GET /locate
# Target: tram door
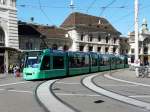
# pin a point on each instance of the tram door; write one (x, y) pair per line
(1, 63)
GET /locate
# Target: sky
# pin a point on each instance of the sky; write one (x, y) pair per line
(120, 13)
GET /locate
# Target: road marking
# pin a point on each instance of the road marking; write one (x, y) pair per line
(113, 85)
(120, 80)
(20, 91)
(140, 96)
(2, 85)
(68, 83)
(88, 83)
(49, 100)
(66, 94)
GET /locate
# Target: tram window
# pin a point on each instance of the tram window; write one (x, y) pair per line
(71, 62)
(45, 63)
(100, 62)
(78, 61)
(94, 62)
(113, 61)
(105, 62)
(126, 60)
(86, 60)
(58, 62)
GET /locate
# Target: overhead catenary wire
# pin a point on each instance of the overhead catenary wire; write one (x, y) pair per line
(90, 6)
(44, 11)
(105, 7)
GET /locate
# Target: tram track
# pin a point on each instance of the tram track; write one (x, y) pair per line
(50, 102)
(57, 99)
(91, 84)
(59, 90)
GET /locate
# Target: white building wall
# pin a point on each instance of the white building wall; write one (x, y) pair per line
(95, 43)
(13, 30)
(8, 23)
(75, 37)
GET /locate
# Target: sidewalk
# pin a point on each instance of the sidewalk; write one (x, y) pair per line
(130, 76)
(8, 75)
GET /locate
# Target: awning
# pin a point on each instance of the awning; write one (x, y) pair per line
(9, 49)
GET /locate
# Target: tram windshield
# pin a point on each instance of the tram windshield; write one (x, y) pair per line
(31, 58)
(33, 62)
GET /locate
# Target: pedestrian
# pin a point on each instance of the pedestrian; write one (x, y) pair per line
(14, 70)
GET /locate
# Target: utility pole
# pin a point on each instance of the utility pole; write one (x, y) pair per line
(136, 38)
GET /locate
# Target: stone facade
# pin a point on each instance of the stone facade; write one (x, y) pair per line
(91, 33)
(8, 33)
(37, 37)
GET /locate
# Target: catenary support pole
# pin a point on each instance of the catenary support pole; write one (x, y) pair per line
(136, 39)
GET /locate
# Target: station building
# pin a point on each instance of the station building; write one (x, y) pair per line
(144, 44)
(91, 33)
(9, 44)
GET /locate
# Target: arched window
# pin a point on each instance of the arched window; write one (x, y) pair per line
(2, 38)
(107, 39)
(82, 36)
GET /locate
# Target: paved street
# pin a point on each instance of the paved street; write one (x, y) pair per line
(17, 95)
(72, 93)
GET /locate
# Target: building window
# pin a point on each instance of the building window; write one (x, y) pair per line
(106, 49)
(90, 48)
(107, 39)
(65, 48)
(99, 49)
(81, 48)
(82, 36)
(99, 38)
(132, 50)
(90, 37)
(115, 40)
(114, 50)
(145, 50)
(2, 42)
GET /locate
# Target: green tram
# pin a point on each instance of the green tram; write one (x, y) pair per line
(54, 63)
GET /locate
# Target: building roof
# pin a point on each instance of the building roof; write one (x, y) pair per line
(41, 30)
(26, 29)
(80, 20)
(51, 31)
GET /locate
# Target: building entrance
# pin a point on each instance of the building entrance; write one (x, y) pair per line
(1, 63)
(146, 60)
(2, 60)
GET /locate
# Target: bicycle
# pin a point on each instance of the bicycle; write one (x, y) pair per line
(143, 71)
